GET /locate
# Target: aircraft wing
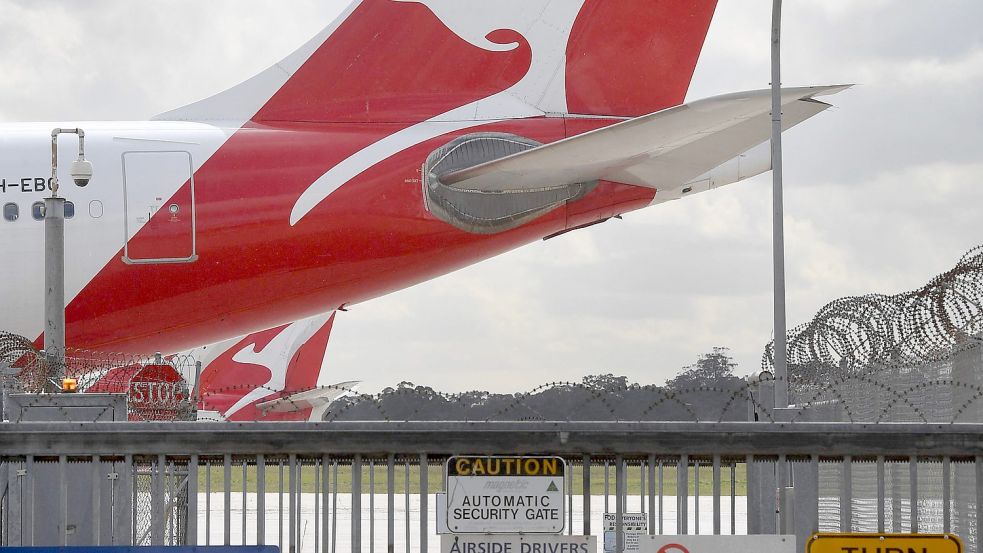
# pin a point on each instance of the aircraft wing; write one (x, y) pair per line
(664, 150)
(308, 398)
(317, 400)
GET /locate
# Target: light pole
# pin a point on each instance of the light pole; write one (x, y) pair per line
(54, 253)
(778, 224)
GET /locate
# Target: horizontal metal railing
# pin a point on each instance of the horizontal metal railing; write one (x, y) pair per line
(448, 438)
(367, 486)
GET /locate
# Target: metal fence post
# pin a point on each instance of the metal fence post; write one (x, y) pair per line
(619, 503)
(28, 504)
(371, 505)
(651, 467)
(227, 495)
(63, 499)
(357, 504)
(391, 504)
(245, 499)
(716, 495)
(978, 466)
(191, 536)
(325, 493)
(607, 486)
(12, 507)
(334, 505)
(568, 470)
(733, 498)
(881, 493)
(913, 480)
(696, 496)
(96, 476)
(260, 499)
(682, 495)
(279, 503)
(946, 495)
(754, 502)
(406, 502)
(292, 504)
(846, 496)
(123, 530)
(424, 491)
(586, 492)
(661, 496)
(157, 501)
(806, 499)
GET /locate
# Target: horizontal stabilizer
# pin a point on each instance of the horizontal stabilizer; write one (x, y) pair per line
(664, 150)
(308, 399)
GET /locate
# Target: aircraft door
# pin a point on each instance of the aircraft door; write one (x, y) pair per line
(159, 206)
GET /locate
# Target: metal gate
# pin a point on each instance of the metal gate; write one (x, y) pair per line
(325, 487)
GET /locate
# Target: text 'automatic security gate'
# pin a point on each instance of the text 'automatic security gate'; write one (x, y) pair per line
(326, 487)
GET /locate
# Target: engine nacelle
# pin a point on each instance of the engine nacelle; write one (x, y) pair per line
(480, 211)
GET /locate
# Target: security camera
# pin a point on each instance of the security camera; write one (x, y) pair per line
(81, 171)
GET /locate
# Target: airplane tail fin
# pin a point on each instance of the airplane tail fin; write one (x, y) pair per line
(412, 60)
(264, 376)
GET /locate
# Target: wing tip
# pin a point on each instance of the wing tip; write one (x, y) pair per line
(829, 90)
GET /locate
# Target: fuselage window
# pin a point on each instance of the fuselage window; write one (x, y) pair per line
(11, 212)
(37, 210)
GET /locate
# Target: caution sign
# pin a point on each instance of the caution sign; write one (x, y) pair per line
(498, 494)
(884, 543)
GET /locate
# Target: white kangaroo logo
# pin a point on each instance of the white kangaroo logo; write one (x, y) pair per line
(545, 24)
(276, 358)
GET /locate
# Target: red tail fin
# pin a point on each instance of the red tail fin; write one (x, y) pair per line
(634, 58)
(413, 60)
(241, 373)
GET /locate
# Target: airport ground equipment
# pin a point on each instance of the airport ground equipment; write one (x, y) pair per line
(300, 477)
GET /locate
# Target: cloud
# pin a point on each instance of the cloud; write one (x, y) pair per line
(131, 60)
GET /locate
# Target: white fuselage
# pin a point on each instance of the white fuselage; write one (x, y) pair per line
(98, 230)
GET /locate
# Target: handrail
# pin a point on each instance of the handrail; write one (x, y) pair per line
(449, 437)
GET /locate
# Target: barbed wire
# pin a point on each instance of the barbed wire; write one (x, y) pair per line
(873, 356)
(914, 356)
(159, 396)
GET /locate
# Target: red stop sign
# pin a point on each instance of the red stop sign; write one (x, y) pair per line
(156, 392)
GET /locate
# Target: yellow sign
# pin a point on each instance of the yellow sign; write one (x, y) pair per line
(504, 466)
(884, 543)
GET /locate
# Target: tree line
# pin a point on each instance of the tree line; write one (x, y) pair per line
(706, 390)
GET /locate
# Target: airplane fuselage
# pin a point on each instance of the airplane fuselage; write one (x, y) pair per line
(188, 233)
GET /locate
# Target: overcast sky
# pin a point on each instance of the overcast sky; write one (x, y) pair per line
(882, 192)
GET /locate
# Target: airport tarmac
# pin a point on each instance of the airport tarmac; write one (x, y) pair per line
(211, 529)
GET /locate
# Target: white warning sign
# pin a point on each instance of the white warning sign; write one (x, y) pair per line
(505, 494)
(634, 526)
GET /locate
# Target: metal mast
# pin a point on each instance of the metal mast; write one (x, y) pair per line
(778, 239)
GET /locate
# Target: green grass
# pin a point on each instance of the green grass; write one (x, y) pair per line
(436, 480)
